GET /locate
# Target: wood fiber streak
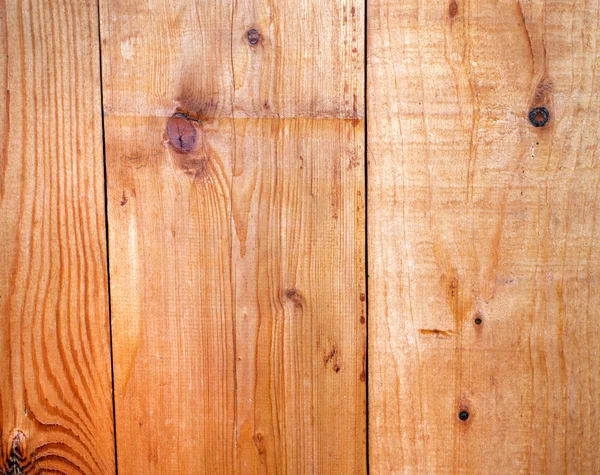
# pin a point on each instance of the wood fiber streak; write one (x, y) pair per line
(236, 227)
(55, 374)
(476, 214)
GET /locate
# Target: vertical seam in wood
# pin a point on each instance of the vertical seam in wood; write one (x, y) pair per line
(112, 366)
(231, 262)
(366, 221)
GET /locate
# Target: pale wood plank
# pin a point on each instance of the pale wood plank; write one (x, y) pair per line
(55, 384)
(237, 259)
(475, 213)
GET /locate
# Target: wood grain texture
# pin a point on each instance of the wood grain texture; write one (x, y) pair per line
(169, 234)
(475, 213)
(55, 384)
(236, 224)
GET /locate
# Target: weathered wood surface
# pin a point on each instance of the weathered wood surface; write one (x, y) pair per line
(473, 213)
(236, 221)
(55, 377)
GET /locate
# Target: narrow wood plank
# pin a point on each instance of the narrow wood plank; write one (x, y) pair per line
(235, 179)
(55, 389)
(169, 233)
(474, 213)
(299, 275)
(298, 211)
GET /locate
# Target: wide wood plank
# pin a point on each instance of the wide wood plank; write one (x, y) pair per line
(236, 222)
(484, 260)
(55, 384)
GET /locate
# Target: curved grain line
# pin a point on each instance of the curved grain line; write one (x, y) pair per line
(44, 339)
(66, 85)
(43, 401)
(98, 282)
(69, 432)
(64, 288)
(32, 236)
(35, 294)
(76, 212)
(46, 450)
(57, 458)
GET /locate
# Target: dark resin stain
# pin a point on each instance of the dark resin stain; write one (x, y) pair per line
(332, 356)
(293, 295)
(437, 332)
(259, 443)
(327, 357)
(182, 133)
(290, 293)
(363, 374)
(452, 8)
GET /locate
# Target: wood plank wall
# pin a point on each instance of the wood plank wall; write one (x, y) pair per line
(260, 158)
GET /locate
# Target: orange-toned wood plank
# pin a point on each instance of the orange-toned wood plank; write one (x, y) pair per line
(236, 221)
(298, 216)
(55, 384)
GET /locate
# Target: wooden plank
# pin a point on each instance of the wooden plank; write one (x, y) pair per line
(299, 265)
(474, 213)
(169, 234)
(55, 389)
(235, 181)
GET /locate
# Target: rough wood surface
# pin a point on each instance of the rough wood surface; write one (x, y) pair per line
(234, 136)
(476, 214)
(55, 376)
(236, 221)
